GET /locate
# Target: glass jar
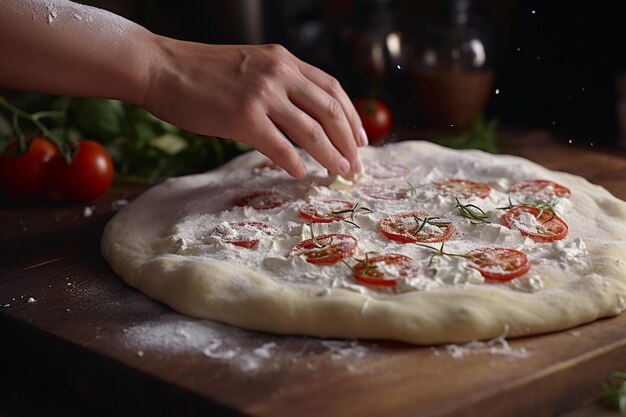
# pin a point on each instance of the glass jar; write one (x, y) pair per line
(372, 50)
(452, 66)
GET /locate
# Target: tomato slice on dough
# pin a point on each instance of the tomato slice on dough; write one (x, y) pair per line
(409, 227)
(499, 264)
(539, 225)
(386, 170)
(325, 249)
(324, 211)
(541, 189)
(262, 200)
(462, 188)
(386, 270)
(386, 191)
(244, 234)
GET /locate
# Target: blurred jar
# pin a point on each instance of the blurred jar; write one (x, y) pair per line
(372, 50)
(452, 66)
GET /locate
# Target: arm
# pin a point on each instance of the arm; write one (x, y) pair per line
(260, 95)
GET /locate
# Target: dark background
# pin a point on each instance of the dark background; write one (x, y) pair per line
(555, 68)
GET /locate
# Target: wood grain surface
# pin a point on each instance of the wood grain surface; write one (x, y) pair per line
(88, 338)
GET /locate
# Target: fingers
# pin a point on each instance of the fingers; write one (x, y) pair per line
(330, 115)
(271, 142)
(332, 87)
(309, 133)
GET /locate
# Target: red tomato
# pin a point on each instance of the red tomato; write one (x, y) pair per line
(403, 227)
(543, 189)
(89, 174)
(262, 200)
(539, 225)
(386, 170)
(28, 175)
(322, 211)
(462, 188)
(400, 267)
(499, 264)
(245, 234)
(325, 249)
(386, 191)
(376, 117)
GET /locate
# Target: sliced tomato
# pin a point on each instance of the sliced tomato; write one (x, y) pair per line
(541, 189)
(386, 270)
(462, 188)
(499, 264)
(325, 249)
(539, 225)
(324, 211)
(262, 200)
(244, 234)
(403, 227)
(386, 191)
(386, 170)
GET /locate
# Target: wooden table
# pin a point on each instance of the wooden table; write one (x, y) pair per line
(87, 343)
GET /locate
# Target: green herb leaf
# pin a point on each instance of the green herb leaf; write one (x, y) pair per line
(615, 391)
(482, 135)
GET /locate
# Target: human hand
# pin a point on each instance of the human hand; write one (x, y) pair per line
(261, 95)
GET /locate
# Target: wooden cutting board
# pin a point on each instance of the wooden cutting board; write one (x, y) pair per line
(87, 336)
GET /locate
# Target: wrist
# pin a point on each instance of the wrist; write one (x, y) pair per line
(145, 57)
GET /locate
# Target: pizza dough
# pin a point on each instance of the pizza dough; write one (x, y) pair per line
(165, 244)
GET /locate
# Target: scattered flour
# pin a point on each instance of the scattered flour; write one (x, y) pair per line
(118, 204)
(88, 211)
(496, 346)
(241, 350)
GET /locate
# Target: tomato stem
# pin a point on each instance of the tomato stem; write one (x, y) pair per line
(34, 118)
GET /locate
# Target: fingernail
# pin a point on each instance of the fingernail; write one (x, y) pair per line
(363, 137)
(344, 166)
(358, 167)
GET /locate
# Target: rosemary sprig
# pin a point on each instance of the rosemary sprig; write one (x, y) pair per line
(412, 190)
(440, 252)
(475, 214)
(314, 238)
(356, 208)
(615, 391)
(432, 220)
(367, 266)
(543, 206)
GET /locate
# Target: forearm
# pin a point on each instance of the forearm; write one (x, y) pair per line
(60, 47)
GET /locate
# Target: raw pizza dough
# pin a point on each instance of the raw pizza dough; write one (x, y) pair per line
(162, 244)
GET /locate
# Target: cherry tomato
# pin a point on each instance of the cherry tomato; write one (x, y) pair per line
(541, 189)
(245, 234)
(386, 191)
(325, 249)
(395, 267)
(88, 175)
(28, 175)
(499, 264)
(376, 117)
(539, 225)
(462, 188)
(386, 170)
(403, 227)
(262, 200)
(325, 211)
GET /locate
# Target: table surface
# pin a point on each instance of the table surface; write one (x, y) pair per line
(86, 338)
